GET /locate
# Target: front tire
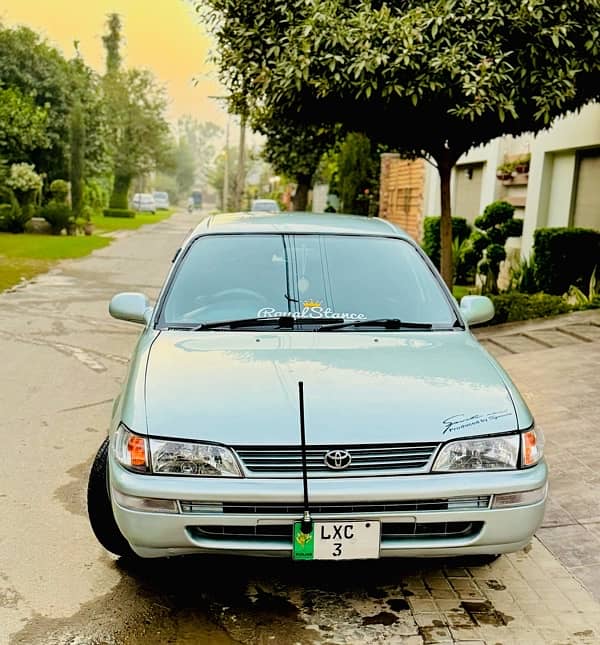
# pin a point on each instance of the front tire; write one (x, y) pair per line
(99, 507)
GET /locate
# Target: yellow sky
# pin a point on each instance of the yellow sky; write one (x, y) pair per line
(162, 35)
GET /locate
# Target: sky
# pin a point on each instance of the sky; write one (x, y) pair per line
(164, 36)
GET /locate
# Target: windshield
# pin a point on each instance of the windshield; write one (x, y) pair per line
(230, 277)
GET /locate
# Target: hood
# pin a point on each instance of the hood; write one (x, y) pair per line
(241, 388)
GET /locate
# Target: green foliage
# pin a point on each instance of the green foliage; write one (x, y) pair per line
(59, 189)
(112, 43)
(58, 214)
(22, 125)
(565, 257)
(428, 77)
(120, 191)
(431, 235)
(522, 276)
(77, 158)
(358, 168)
(495, 226)
(13, 217)
(581, 300)
(521, 306)
(96, 194)
(118, 212)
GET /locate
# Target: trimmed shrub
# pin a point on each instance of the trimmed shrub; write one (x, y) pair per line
(59, 189)
(522, 306)
(565, 257)
(431, 235)
(118, 212)
(58, 215)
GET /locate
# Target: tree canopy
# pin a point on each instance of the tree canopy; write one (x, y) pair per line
(427, 77)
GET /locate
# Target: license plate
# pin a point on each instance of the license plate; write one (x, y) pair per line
(337, 541)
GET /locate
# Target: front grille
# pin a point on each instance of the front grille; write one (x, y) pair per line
(287, 460)
(449, 504)
(389, 531)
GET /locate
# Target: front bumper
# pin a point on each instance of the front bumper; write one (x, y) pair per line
(493, 530)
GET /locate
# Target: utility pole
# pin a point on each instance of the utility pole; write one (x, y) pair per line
(239, 192)
(224, 206)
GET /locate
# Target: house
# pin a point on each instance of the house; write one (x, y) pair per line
(560, 188)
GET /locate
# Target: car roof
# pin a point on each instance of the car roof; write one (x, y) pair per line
(261, 222)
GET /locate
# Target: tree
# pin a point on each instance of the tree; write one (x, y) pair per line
(23, 126)
(295, 152)
(358, 169)
(430, 78)
(139, 131)
(33, 68)
(199, 137)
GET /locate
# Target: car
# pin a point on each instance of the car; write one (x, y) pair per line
(161, 200)
(144, 203)
(264, 205)
(307, 387)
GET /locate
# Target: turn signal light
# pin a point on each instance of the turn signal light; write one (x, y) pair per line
(136, 447)
(532, 447)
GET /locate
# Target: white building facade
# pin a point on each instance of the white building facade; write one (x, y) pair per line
(562, 187)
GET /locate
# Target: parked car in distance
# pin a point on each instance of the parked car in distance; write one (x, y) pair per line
(264, 205)
(307, 387)
(144, 203)
(161, 199)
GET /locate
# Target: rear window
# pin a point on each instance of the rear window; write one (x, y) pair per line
(224, 277)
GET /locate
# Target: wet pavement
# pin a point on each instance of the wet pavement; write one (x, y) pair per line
(63, 359)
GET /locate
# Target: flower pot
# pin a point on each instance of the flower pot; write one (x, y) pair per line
(522, 168)
(88, 228)
(504, 176)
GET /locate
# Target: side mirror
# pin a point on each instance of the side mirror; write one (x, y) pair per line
(133, 307)
(476, 309)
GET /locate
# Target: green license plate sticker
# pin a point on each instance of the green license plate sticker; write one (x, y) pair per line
(304, 543)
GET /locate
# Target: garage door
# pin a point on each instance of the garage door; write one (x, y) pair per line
(586, 212)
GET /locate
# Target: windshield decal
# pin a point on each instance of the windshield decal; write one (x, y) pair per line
(461, 421)
(311, 309)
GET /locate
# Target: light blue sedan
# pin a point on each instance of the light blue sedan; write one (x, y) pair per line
(306, 387)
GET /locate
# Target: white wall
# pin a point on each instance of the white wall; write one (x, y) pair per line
(551, 172)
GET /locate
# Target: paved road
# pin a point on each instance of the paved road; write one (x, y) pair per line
(62, 361)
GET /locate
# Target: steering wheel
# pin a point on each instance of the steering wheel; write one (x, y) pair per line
(237, 292)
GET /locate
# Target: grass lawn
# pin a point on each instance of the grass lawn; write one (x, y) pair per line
(102, 223)
(26, 255)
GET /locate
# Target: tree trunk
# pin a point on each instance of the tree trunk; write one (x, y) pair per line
(446, 269)
(301, 194)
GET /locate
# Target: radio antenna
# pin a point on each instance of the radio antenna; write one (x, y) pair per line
(306, 519)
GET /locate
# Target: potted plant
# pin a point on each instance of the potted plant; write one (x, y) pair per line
(522, 163)
(505, 171)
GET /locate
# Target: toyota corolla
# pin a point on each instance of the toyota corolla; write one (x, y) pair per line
(306, 386)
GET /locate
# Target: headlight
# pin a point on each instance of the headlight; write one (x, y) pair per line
(194, 459)
(488, 453)
(165, 457)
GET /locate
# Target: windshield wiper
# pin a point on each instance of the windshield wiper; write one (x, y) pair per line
(385, 323)
(279, 322)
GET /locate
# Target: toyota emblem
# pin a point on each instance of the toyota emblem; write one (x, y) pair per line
(337, 459)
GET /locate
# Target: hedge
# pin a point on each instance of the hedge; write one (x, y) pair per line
(431, 235)
(565, 257)
(118, 212)
(523, 306)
